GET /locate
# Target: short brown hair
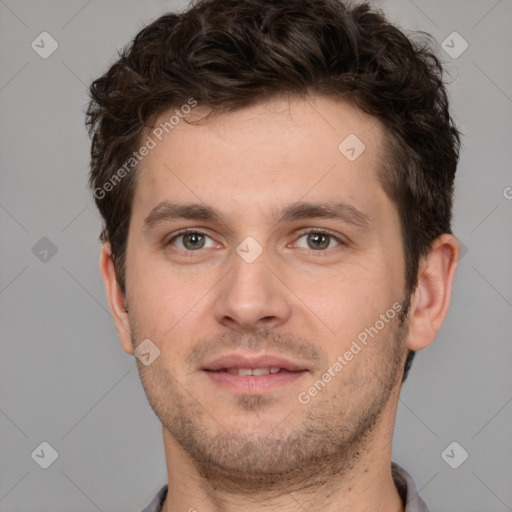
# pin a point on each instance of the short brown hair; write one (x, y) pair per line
(229, 54)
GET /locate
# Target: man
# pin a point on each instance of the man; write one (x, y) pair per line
(276, 182)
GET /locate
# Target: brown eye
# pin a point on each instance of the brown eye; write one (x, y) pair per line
(191, 241)
(319, 241)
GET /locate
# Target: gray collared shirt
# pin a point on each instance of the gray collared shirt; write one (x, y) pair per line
(403, 482)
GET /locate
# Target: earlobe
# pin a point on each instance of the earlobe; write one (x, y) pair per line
(116, 298)
(431, 299)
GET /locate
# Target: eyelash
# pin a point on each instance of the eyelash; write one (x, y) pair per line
(323, 252)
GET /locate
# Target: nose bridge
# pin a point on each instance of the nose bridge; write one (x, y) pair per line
(251, 296)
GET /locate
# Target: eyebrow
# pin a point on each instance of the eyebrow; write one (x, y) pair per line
(168, 211)
(326, 210)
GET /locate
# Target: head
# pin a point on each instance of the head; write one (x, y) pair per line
(244, 108)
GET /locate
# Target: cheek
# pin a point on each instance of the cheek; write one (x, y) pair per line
(352, 292)
(162, 295)
(152, 307)
(172, 309)
(346, 306)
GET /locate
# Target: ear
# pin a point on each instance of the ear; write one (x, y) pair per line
(431, 299)
(116, 298)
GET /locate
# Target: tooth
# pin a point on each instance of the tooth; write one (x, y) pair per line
(248, 371)
(260, 371)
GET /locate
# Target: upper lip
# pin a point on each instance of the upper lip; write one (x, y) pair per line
(262, 361)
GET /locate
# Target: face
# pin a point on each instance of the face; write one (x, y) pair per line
(257, 245)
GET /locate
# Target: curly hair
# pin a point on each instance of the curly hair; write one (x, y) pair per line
(230, 54)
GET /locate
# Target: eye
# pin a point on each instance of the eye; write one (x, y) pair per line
(191, 241)
(319, 241)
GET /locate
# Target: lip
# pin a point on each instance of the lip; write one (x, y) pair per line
(252, 384)
(262, 361)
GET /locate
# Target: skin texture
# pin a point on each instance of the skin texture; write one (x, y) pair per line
(265, 450)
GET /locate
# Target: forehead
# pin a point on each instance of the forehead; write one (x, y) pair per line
(278, 151)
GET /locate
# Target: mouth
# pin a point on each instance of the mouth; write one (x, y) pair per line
(254, 371)
(253, 375)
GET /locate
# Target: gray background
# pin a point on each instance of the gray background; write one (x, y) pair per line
(63, 376)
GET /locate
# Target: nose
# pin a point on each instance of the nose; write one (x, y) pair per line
(251, 297)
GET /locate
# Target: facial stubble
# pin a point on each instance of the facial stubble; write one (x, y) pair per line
(307, 445)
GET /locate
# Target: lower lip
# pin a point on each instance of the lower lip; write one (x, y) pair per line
(254, 384)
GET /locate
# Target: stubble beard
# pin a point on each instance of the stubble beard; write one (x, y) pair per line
(328, 437)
